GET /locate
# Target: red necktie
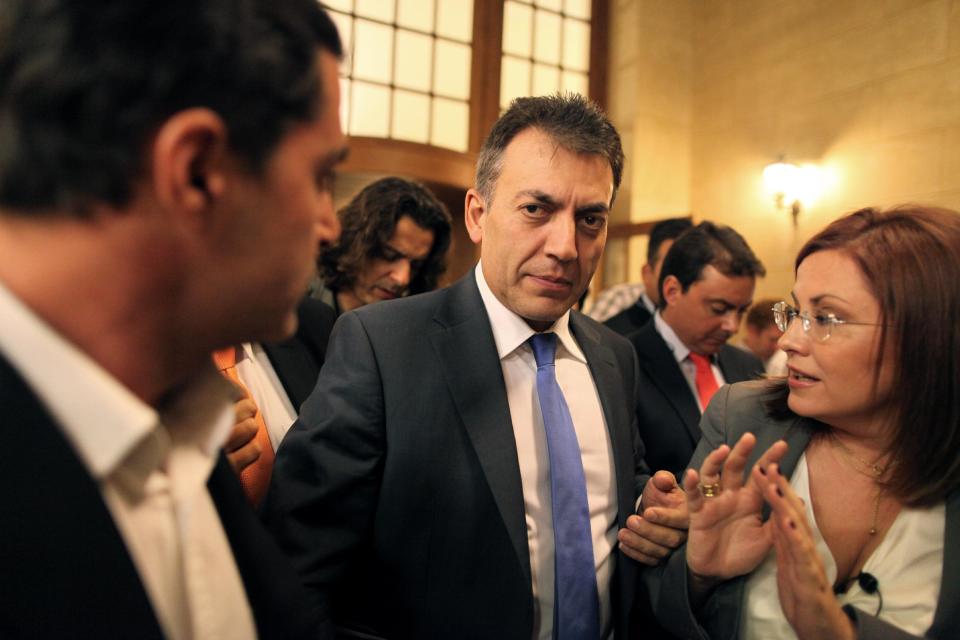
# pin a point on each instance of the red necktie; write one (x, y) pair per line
(706, 382)
(255, 478)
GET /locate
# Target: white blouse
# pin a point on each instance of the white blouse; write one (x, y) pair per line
(908, 566)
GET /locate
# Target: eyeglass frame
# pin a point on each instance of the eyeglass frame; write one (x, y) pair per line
(783, 319)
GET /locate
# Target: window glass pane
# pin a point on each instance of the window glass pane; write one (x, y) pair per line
(577, 8)
(553, 5)
(449, 124)
(452, 72)
(576, 45)
(411, 116)
(369, 110)
(517, 29)
(546, 43)
(455, 19)
(343, 5)
(414, 56)
(576, 82)
(373, 51)
(376, 9)
(416, 14)
(344, 26)
(514, 79)
(546, 79)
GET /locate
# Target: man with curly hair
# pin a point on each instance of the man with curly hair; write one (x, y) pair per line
(394, 243)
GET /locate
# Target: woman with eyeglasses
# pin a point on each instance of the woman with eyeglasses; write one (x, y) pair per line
(827, 504)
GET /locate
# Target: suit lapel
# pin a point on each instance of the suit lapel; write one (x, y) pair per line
(947, 617)
(64, 563)
(295, 368)
(661, 367)
(466, 350)
(610, 388)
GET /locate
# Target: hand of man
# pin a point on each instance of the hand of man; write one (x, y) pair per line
(662, 527)
(242, 448)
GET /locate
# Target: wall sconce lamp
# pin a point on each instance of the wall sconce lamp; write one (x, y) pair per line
(792, 187)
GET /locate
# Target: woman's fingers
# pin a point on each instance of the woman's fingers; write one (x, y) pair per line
(736, 462)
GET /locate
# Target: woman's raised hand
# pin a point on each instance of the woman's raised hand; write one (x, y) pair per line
(727, 535)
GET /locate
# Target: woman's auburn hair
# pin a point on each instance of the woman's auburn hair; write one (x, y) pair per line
(909, 256)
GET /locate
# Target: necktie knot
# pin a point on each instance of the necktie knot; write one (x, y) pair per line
(705, 380)
(544, 347)
(702, 362)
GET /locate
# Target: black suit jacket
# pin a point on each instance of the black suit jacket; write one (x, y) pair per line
(298, 359)
(667, 410)
(65, 570)
(398, 493)
(631, 319)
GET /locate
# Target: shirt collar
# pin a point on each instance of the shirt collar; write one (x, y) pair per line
(102, 419)
(647, 302)
(510, 331)
(680, 350)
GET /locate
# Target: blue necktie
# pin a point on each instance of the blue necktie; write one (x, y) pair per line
(576, 613)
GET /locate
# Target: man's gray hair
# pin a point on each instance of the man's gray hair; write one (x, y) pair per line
(572, 121)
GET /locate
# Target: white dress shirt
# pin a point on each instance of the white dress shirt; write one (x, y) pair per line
(260, 378)
(908, 565)
(682, 354)
(152, 470)
(511, 332)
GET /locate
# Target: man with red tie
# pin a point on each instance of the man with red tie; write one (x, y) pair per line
(706, 285)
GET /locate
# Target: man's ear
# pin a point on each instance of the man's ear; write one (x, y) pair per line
(474, 214)
(188, 157)
(672, 289)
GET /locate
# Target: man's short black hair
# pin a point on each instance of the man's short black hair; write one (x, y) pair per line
(368, 222)
(84, 84)
(669, 229)
(710, 244)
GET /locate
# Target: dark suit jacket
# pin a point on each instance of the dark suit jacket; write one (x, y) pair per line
(65, 570)
(297, 360)
(667, 410)
(398, 493)
(631, 319)
(734, 411)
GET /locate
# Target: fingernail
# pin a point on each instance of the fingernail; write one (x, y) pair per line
(779, 493)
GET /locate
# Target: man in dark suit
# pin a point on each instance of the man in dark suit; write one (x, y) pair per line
(639, 313)
(706, 285)
(415, 490)
(159, 199)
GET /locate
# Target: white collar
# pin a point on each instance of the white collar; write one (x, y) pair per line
(680, 350)
(103, 419)
(510, 331)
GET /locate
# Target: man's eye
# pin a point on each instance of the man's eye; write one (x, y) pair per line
(532, 209)
(326, 180)
(593, 222)
(718, 311)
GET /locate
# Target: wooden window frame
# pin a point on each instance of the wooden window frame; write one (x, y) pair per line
(435, 164)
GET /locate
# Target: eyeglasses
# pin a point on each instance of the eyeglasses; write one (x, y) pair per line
(819, 327)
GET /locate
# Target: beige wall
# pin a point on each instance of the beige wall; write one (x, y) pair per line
(868, 89)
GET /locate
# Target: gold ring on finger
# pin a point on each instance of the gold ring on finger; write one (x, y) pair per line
(709, 489)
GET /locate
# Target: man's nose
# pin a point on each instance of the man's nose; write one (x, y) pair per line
(401, 272)
(326, 226)
(731, 321)
(561, 242)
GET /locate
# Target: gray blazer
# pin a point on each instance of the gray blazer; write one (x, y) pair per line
(735, 410)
